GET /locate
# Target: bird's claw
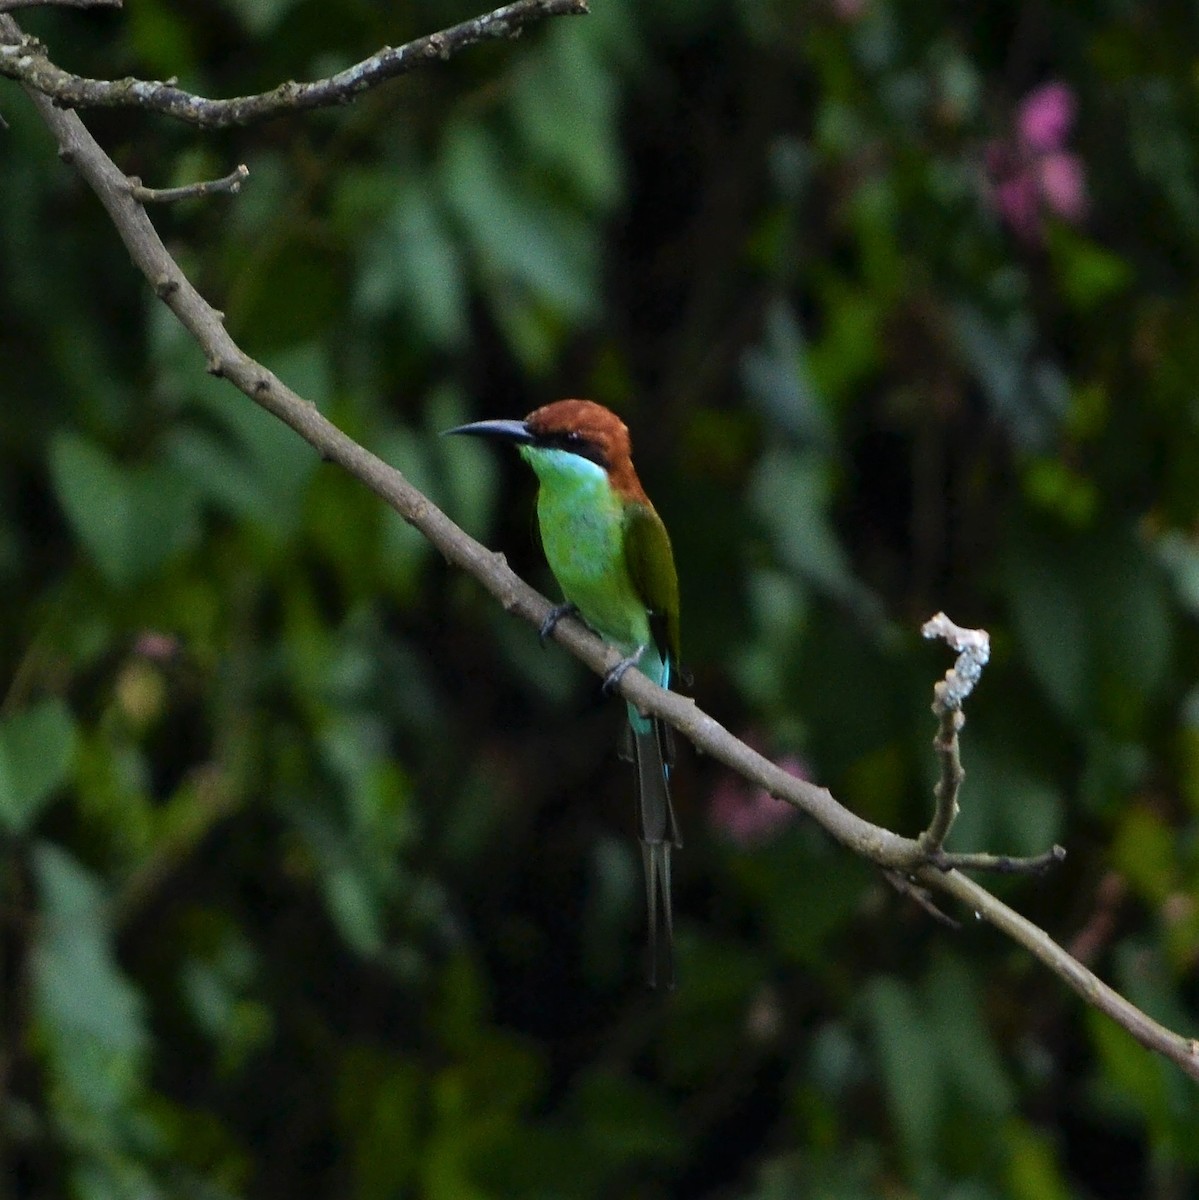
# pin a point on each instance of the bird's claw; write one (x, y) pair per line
(553, 617)
(614, 676)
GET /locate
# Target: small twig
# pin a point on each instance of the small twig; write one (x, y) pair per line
(14, 5)
(231, 184)
(974, 648)
(945, 790)
(24, 59)
(999, 864)
(922, 897)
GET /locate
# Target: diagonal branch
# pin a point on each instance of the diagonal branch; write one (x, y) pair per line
(24, 59)
(1153, 1036)
(14, 5)
(903, 856)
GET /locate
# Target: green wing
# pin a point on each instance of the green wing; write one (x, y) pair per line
(650, 563)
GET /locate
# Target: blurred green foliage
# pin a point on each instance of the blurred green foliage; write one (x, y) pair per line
(316, 872)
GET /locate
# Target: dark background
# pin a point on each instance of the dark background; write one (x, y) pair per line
(318, 874)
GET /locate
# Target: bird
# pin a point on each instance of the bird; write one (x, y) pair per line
(611, 556)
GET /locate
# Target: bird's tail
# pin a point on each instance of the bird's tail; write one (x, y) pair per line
(659, 835)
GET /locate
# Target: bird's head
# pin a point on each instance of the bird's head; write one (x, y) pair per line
(580, 428)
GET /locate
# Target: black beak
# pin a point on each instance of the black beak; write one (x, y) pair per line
(503, 431)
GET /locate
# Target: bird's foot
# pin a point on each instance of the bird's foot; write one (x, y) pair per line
(617, 673)
(553, 617)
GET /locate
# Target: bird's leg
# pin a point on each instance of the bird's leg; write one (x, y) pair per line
(569, 609)
(617, 673)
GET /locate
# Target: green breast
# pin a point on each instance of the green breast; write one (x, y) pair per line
(582, 532)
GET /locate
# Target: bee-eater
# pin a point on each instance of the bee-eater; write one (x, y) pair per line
(611, 556)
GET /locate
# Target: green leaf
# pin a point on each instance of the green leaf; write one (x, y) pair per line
(37, 747)
(518, 237)
(722, 978)
(1133, 1076)
(1092, 614)
(263, 16)
(846, 355)
(402, 549)
(1089, 273)
(1005, 804)
(290, 293)
(414, 261)
(1144, 852)
(224, 478)
(969, 1054)
(464, 475)
(161, 39)
(1179, 554)
(89, 1015)
(381, 1105)
(626, 1119)
(911, 1070)
(797, 875)
(354, 907)
(565, 104)
(1033, 1170)
(132, 520)
(778, 378)
(1030, 399)
(1060, 489)
(252, 465)
(791, 493)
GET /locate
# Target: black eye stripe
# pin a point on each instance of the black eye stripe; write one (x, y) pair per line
(574, 442)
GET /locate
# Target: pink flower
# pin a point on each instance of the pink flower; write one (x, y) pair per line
(1046, 117)
(1064, 185)
(1032, 173)
(750, 816)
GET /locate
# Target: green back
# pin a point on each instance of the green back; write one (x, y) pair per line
(650, 563)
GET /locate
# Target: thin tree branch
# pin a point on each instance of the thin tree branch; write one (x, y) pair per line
(24, 59)
(230, 183)
(1152, 1035)
(996, 864)
(13, 5)
(974, 649)
(921, 897)
(949, 694)
(974, 652)
(225, 358)
(945, 792)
